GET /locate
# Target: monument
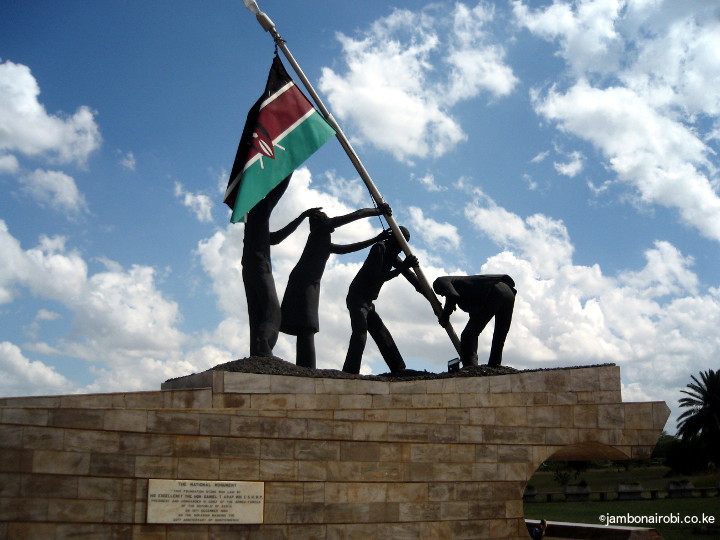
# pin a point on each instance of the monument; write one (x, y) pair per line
(265, 449)
(321, 456)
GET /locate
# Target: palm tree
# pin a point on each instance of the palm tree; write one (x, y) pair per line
(702, 418)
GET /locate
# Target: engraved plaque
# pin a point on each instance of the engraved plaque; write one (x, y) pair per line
(205, 501)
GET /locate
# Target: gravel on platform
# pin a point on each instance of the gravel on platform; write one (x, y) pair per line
(278, 366)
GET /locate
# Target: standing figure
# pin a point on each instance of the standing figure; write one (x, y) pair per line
(262, 299)
(364, 288)
(483, 297)
(300, 305)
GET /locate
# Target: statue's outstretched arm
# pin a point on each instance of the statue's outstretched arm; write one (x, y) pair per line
(280, 235)
(382, 210)
(342, 249)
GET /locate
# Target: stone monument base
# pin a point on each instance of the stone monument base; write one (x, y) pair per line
(338, 459)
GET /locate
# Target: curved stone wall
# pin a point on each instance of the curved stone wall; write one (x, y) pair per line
(444, 458)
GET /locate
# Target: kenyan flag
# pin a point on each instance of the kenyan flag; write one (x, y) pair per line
(282, 130)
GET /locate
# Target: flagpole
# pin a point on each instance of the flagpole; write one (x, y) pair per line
(269, 26)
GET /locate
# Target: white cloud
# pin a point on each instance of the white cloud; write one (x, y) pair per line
(46, 315)
(542, 240)
(676, 63)
(8, 163)
(641, 87)
(34, 327)
(652, 320)
(201, 205)
(54, 189)
(476, 64)
(667, 272)
(661, 158)
(428, 180)
(634, 393)
(119, 315)
(128, 161)
(402, 76)
(20, 376)
(572, 167)
(435, 234)
(352, 191)
(586, 30)
(26, 127)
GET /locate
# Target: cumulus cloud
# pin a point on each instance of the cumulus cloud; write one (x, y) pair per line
(20, 376)
(542, 240)
(408, 69)
(428, 181)
(8, 163)
(42, 315)
(572, 167)
(26, 127)
(435, 234)
(54, 189)
(639, 75)
(655, 319)
(352, 191)
(201, 205)
(119, 316)
(676, 62)
(661, 158)
(586, 30)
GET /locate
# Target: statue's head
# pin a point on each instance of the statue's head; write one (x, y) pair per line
(440, 286)
(392, 241)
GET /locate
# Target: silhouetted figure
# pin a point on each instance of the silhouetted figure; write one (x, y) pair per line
(300, 305)
(262, 299)
(537, 532)
(382, 264)
(483, 297)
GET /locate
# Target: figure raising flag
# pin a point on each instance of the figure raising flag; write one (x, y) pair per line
(330, 128)
(282, 130)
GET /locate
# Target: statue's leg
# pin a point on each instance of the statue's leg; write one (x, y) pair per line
(469, 338)
(359, 325)
(305, 349)
(503, 318)
(263, 312)
(385, 342)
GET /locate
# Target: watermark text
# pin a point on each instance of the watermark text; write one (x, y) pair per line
(655, 519)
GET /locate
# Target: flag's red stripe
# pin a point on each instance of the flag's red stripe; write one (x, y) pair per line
(281, 113)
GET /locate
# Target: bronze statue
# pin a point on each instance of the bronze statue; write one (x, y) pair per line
(483, 297)
(382, 264)
(300, 304)
(262, 299)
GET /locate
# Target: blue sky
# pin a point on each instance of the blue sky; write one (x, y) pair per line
(572, 145)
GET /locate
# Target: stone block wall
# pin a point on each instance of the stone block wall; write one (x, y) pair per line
(433, 459)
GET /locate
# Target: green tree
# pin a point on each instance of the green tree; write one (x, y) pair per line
(701, 420)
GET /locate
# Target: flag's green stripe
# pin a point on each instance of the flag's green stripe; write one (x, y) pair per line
(299, 145)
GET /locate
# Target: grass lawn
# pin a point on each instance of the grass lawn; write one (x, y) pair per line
(608, 479)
